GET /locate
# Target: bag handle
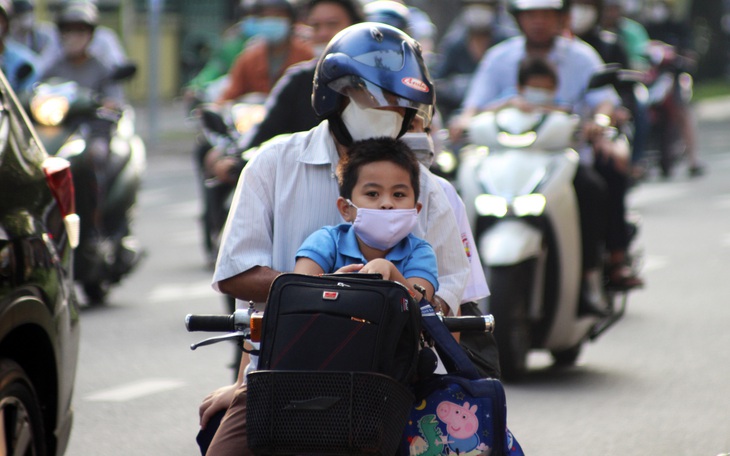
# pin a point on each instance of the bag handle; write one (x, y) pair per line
(455, 359)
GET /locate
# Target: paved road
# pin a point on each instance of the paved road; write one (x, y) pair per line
(655, 384)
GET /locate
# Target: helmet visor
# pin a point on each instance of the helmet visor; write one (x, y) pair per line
(368, 95)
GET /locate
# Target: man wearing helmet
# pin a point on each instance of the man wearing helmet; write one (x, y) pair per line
(371, 81)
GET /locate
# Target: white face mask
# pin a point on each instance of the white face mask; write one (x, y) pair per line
(583, 18)
(371, 123)
(382, 229)
(318, 49)
(422, 146)
(538, 96)
(75, 43)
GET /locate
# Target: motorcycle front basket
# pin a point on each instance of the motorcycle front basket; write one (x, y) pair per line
(314, 412)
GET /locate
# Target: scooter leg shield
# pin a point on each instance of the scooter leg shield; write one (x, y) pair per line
(510, 242)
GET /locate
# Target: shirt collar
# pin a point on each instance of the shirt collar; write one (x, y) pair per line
(321, 149)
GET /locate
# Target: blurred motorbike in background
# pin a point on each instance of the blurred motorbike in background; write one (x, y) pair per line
(670, 89)
(65, 115)
(516, 181)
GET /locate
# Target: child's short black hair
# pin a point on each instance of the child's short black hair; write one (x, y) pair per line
(374, 150)
(535, 66)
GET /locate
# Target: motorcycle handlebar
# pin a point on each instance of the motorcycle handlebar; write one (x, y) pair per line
(229, 323)
(480, 323)
(210, 323)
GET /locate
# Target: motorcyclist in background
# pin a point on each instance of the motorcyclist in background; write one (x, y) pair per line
(459, 56)
(542, 23)
(289, 106)
(17, 62)
(662, 24)
(41, 37)
(632, 34)
(585, 18)
(263, 61)
(76, 23)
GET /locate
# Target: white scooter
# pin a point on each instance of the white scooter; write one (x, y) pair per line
(517, 183)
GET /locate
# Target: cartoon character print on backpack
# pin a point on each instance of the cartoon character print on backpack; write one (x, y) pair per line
(454, 428)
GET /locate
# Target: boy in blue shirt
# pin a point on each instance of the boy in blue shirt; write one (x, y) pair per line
(379, 187)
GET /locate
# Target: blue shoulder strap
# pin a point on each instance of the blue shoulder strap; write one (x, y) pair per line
(454, 357)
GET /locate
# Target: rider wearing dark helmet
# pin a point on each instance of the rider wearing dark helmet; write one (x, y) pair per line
(370, 82)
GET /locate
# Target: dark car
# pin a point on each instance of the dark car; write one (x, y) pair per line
(39, 313)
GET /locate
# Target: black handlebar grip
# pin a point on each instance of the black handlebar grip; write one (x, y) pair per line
(481, 323)
(209, 323)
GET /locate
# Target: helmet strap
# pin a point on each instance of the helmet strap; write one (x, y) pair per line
(339, 129)
(407, 119)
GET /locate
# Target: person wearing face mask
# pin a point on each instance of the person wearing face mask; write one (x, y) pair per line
(17, 62)
(264, 60)
(77, 22)
(543, 23)
(379, 186)
(41, 37)
(369, 72)
(289, 105)
(460, 53)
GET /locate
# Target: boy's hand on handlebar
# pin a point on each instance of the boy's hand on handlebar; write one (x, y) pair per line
(216, 401)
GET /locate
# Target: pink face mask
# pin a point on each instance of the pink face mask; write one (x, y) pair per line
(382, 229)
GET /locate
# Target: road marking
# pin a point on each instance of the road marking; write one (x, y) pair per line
(134, 390)
(182, 291)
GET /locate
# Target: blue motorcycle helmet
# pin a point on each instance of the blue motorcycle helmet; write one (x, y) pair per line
(377, 66)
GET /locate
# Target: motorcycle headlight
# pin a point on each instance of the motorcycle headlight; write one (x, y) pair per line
(529, 205)
(532, 205)
(491, 205)
(247, 115)
(447, 161)
(49, 111)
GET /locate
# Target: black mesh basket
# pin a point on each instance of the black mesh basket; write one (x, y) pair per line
(303, 412)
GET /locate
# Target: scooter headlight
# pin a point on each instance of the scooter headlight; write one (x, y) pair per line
(49, 111)
(532, 205)
(491, 205)
(529, 205)
(246, 116)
